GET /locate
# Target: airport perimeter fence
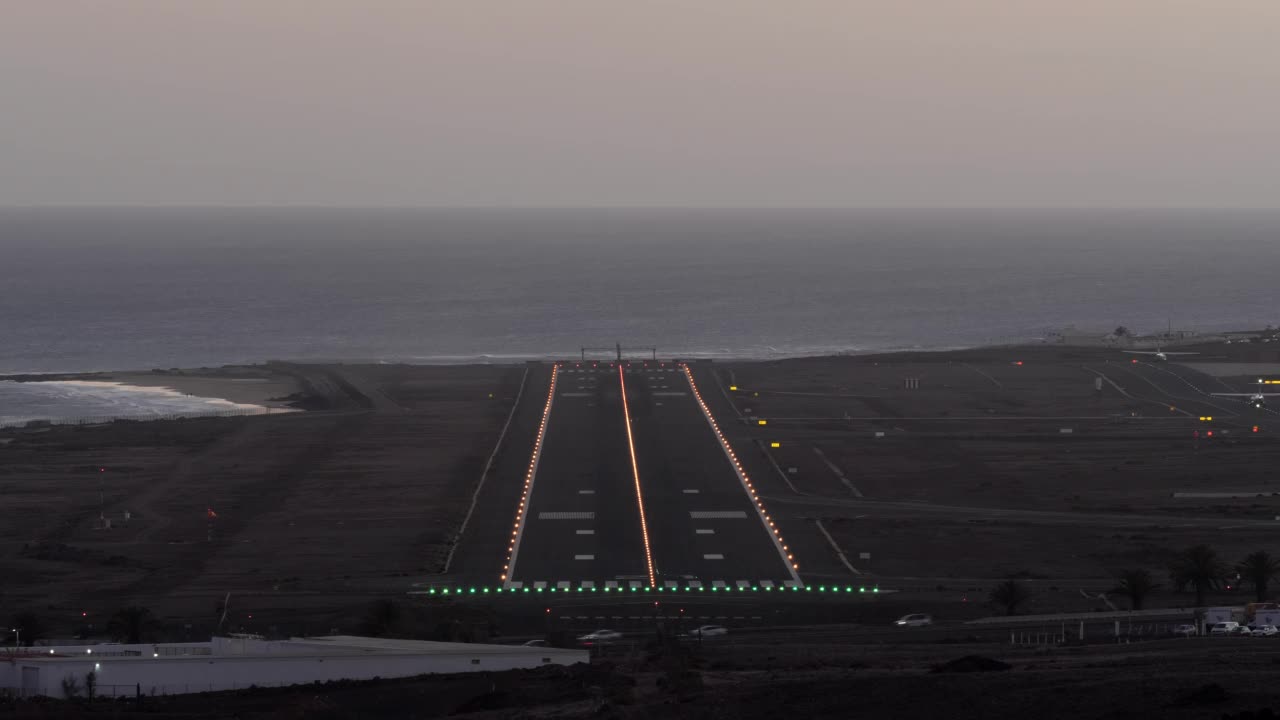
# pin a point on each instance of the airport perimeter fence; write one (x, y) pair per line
(1120, 632)
(107, 419)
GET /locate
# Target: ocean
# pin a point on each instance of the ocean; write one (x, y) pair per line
(106, 289)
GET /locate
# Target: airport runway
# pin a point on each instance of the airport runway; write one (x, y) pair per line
(658, 501)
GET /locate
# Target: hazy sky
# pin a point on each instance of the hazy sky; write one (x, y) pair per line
(642, 102)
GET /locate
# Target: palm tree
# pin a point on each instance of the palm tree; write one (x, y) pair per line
(1009, 596)
(1198, 567)
(129, 624)
(1258, 568)
(1136, 585)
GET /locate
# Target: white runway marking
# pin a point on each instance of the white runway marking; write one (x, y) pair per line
(586, 532)
(690, 491)
(669, 394)
(566, 516)
(838, 472)
(718, 514)
(713, 556)
(586, 492)
(584, 557)
(704, 531)
(575, 394)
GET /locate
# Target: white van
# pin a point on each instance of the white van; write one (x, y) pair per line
(1225, 628)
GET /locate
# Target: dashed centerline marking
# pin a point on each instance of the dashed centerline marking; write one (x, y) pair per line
(704, 531)
(718, 514)
(713, 556)
(586, 532)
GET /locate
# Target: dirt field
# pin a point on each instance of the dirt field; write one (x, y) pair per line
(316, 511)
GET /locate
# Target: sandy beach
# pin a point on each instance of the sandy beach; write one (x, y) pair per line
(241, 385)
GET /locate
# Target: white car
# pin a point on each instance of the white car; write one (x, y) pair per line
(916, 620)
(1264, 631)
(1186, 630)
(707, 631)
(600, 637)
(1226, 628)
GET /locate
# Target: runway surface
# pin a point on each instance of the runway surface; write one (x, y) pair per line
(656, 501)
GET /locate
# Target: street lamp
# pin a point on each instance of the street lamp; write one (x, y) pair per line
(17, 633)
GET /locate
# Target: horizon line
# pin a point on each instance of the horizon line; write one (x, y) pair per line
(734, 207)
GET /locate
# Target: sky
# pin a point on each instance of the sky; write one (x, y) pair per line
(608, 103)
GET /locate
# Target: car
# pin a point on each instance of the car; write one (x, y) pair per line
(1226, 628)
(1186, 630)
(915, 620)
(1263, 630)
(707, 631)
(600, 637)
(535, 643)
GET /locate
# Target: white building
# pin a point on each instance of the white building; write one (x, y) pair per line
(241, 662)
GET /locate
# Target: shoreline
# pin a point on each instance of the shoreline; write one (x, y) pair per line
(266, 386)
(82, 397)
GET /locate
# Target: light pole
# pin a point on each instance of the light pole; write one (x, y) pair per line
(17, 633)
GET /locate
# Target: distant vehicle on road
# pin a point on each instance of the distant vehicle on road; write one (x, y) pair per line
(915, 620)
(707, 631)
(1263, 631)
(600, 637)
(1186, 630)
(1227, 628)
(535, 643)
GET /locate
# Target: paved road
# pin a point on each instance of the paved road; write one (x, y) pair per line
(583, 527)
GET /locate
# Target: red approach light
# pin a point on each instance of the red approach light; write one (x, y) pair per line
(1255, 428)
(548, 611)
(1018, 363)
(1209, 434)
(1134, 361)
(84, 614)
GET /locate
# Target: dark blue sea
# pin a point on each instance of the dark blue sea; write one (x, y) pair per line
(101, 289)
